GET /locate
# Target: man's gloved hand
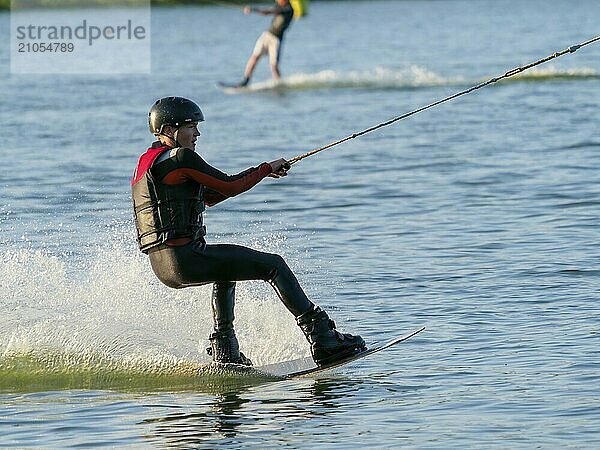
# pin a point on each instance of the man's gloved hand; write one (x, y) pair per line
(279, 168)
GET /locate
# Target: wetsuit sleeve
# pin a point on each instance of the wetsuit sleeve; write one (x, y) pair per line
(186, 165)
(266, 11)
(211, 197)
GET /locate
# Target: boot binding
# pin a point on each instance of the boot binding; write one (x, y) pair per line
(327, 344)
(224, 349)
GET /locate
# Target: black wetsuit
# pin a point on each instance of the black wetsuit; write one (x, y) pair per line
(188, 260)
(281, 21)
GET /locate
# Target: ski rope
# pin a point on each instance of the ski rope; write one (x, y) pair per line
(508, 74)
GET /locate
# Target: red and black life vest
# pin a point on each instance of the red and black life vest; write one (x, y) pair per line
(161, 211)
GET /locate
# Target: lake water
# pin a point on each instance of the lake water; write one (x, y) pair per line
(477, 219)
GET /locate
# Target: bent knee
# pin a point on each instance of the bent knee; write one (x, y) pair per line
(277, 265)
(277, 260)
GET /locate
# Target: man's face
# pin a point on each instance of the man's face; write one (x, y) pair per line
(187, 135)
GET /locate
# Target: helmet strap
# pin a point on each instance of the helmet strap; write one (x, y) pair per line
(173, 138)
(177, 144)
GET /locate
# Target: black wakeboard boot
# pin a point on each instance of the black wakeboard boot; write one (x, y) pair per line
(327, 345)
(241, 84)
(224, 348)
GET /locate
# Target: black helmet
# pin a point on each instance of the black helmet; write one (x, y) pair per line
(173, 111)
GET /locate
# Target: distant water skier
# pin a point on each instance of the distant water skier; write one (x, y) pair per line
(171, 186)
(269, 41)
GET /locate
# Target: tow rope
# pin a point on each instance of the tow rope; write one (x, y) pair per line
(510, 73)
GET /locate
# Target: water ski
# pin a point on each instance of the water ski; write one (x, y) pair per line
(306, 366)
(264, 86)
(233, 88)
(225, 85)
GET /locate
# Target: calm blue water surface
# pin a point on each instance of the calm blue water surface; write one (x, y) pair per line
(478, 219)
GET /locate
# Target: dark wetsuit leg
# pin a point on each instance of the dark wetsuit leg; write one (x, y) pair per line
(223, 302)
(196, 264)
